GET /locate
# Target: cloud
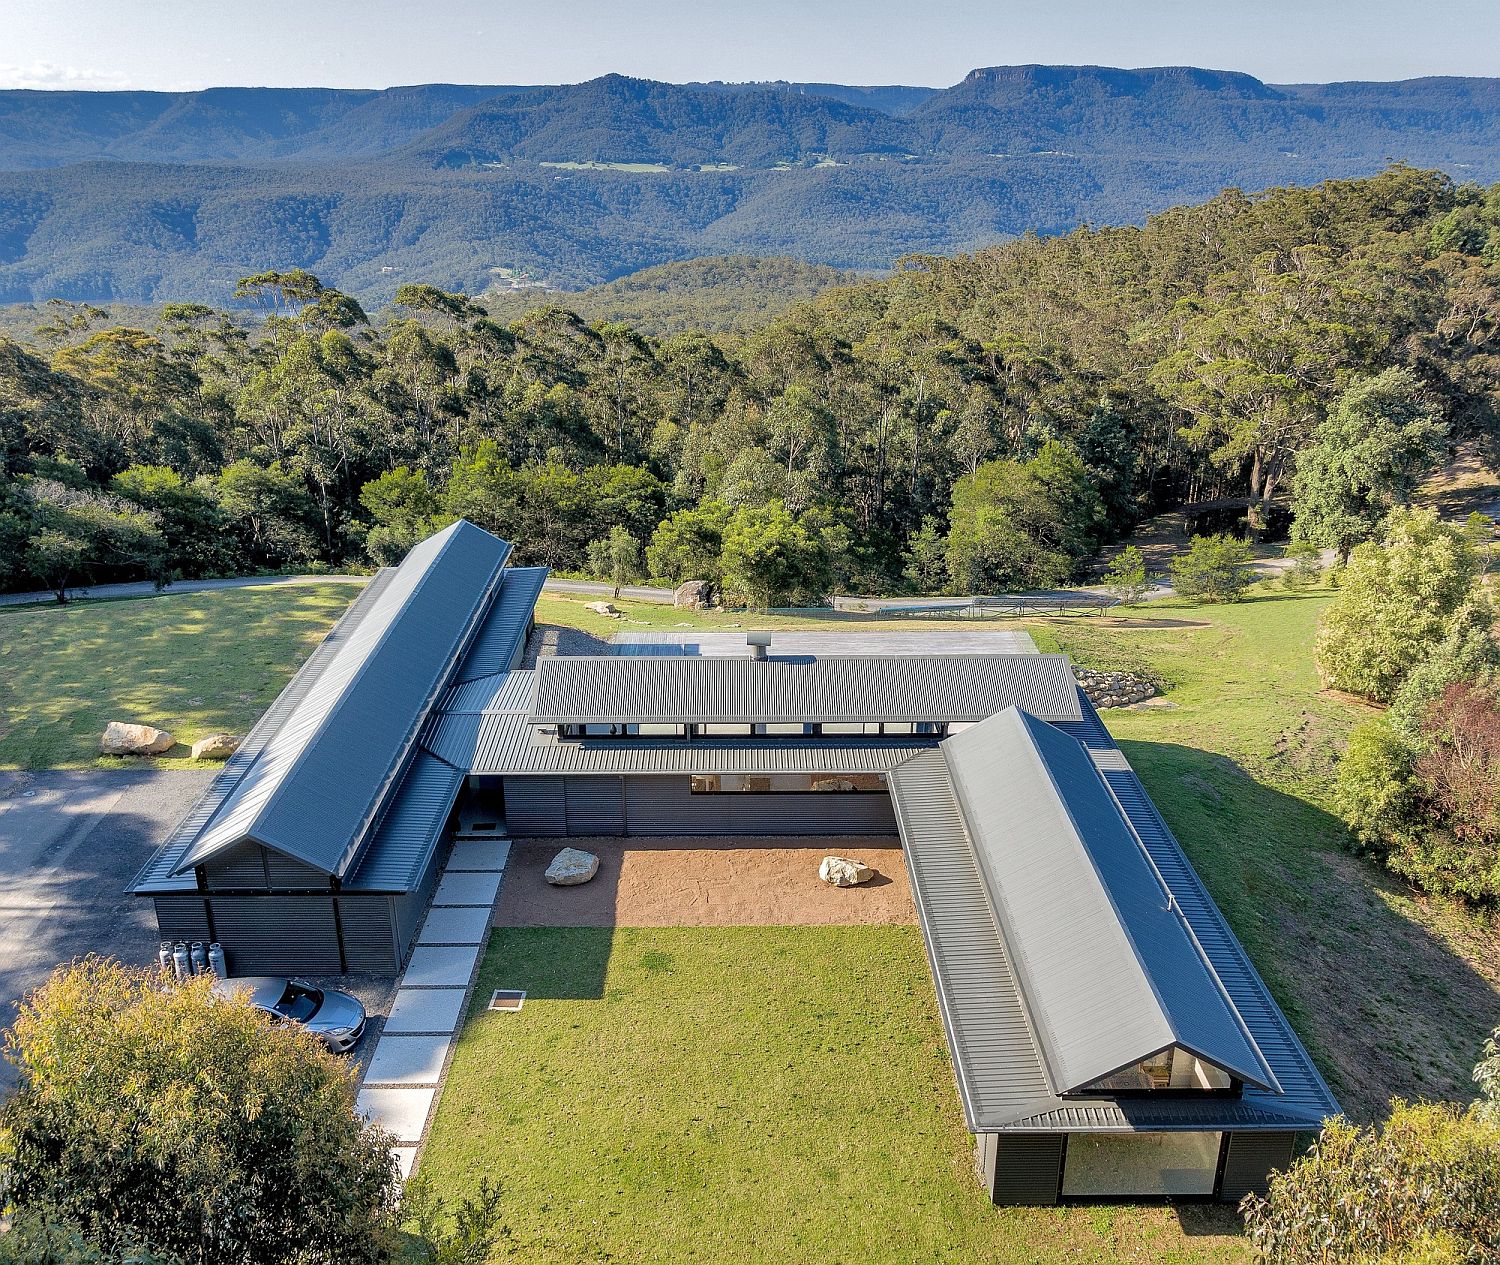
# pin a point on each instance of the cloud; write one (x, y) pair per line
(46, 74)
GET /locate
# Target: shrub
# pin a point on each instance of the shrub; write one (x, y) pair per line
(1424, 1186)
(1214, 568)
(1126, 576)
(1394, 604)
(1307, 565)
(153, 1113)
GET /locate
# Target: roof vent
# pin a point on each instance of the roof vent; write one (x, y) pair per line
(759, 643)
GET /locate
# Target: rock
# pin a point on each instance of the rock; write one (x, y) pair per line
(844, 872)
(121, 738)
(603, 608)
(572, 866)
(832, 784)
(217, 746)
(695, 595)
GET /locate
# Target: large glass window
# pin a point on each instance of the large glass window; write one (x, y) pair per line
(1134, 1164)
(1173, 1070)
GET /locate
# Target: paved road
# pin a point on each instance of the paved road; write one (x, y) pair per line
(70, 841)
(144, 588)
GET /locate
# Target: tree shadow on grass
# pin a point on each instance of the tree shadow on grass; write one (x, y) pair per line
(1387, 1006)
(551, 963)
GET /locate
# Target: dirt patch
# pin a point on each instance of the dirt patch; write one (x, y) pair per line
(703, 882)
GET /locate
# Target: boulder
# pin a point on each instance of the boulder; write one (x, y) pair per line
(844, 872)
(121, 738)
(695, 595)
(602, 608)
(217, 746)
(572, 866)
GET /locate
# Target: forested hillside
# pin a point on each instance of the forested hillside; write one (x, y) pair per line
(974, 423)
(713, 294)
(155, 197)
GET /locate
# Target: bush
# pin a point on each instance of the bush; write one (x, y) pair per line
(1214, 568)
(1307, 565)
(153, 1113)
(1394, 604)
(1424, 1186)
(1126, 576)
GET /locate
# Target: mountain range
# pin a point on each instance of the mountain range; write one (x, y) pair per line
(143, 196)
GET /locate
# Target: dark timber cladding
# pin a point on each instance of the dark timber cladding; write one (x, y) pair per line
(814, 689)
(317, 846)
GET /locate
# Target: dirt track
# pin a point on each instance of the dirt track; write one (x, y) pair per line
(703, 882)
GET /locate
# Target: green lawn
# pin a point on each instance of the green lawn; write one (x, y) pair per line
(748, 1094)
(1393, 993)
(192, 663)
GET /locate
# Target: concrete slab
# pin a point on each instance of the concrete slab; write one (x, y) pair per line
(425, 1010)
(440, 967)
(479, 854)
(456, 924)
(405, 1157)
(400, 1112)
(408, 1060)
(463, 888)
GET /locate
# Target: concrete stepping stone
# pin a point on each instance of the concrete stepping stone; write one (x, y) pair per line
(407, 1060)
(459, 887)
(479, 854)
(405, 1157)
(425, 1010)
(401, 1112)
(440, 967)
(456, 924)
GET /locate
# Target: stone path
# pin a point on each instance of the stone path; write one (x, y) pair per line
(405, 1072)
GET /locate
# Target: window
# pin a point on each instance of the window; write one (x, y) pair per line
(1135, 1164)
(1174, 1070)
(787, 783)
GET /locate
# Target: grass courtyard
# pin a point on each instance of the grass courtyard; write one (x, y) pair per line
(747, 1094)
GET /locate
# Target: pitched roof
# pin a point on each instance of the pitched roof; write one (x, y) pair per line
(1108, 965)
(315, 788)
(996, 1029)
(816, 689)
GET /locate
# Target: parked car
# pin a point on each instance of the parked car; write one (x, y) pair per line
(335, 1017)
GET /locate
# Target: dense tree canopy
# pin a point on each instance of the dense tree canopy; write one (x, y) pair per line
(981, 421)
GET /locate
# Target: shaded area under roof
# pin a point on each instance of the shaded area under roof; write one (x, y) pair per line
(1108, 966)
(830, 689)
(998, 1063)
(315, 787)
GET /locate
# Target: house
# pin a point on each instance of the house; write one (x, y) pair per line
(1109, 1036)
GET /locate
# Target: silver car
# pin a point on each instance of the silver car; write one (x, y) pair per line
(336, 1018)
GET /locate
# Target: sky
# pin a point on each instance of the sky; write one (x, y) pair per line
(186, 44)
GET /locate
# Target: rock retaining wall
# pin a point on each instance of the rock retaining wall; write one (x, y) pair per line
(1115, 689)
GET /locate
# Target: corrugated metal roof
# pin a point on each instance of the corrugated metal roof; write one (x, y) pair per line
(485, 727)
(160, 873)
(831, 641)
(998, 1063)
(502, 636)
(1109, 967)
(398, 852)
(904, 688)
(314, 789)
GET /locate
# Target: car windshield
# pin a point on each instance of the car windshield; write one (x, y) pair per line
(298, 1004)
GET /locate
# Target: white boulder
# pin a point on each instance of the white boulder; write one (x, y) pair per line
(603, 608)
(844, 872)
(572, 866)
(216, 746)
(121, 738)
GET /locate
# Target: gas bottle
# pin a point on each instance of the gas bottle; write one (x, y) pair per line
(198, 957)
(181, 966)
(216, 962)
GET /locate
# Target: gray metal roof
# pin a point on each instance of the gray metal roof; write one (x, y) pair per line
(998, 1058)
(1107, 964)
(502, 637)
(397, 854)
(904, 688)
(315, 787)
(831, 641)
(485, 726)
(160, 873)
